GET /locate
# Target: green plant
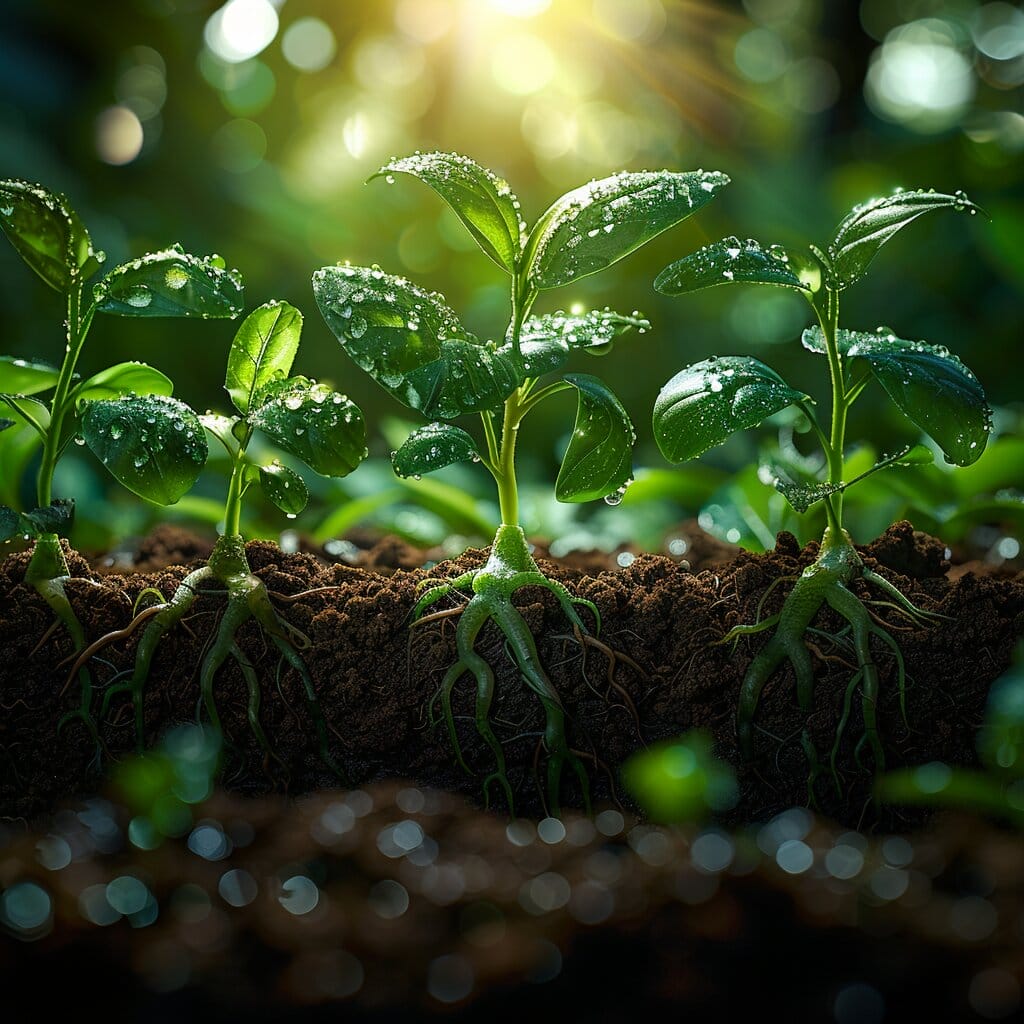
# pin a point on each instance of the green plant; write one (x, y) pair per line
(310, 421)
(413, 344)
(997, 789)
(706, 402)
(152, 443)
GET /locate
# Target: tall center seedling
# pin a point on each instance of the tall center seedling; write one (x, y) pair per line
(155, 445)
(317, 425)
(705, 403)
(413, 344)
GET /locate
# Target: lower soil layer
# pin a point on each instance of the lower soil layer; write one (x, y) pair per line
(375, 677)
(388, 903)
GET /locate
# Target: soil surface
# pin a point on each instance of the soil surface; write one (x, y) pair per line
(375, 677)
(396, 903)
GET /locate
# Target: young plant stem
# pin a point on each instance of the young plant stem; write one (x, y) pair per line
(247, 598)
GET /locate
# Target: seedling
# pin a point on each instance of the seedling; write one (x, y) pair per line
(152, 443)
(413, 344)
(706, 402)
(309, 421)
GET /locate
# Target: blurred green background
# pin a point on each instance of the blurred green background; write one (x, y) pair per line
(248, 129)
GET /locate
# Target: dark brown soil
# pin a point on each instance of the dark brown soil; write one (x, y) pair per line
(375, 677)
(394, 903)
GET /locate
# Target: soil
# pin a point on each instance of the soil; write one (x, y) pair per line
(311, 910)
(375, 677)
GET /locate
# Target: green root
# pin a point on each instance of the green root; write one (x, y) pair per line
(247, 598)
(48, 573)
(509, 568)
(827, 581)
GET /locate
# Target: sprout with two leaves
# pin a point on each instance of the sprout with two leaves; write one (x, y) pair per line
(152, 443)
(413, 344)
(311, 422)
(705, 403)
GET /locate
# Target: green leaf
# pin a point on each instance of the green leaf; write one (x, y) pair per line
(22, 377)
(1001, 737)
(57, 517)
(10, 523)
(705, 403)
(480, 199)
(929, 384)
(868, 227)
(802, 494)
(262, 351)
(433, 447)
(546, 341)
(171, 282)
(121, 379)
(412, 343)
(284, 487)
(315, 424)
(45, 231)
(153, 445)
(35, 413)
(729, 261)
(598, 224)
(599, 459)
(222, 428)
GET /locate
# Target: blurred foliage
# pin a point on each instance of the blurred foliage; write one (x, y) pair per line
(681, 780)
(249, 128)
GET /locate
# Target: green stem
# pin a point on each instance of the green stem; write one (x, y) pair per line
(233, 504)
(829, 326)
(236, 488)
(77, 327)
(508, 491)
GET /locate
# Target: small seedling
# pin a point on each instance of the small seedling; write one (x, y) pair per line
(413, 344)
(152, 443)
(705, 403)
(309, 421)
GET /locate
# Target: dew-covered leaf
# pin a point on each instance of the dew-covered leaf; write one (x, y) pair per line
(222, 428)
(412, 343)
(802, 494)
(597, 224)
(24, 377)
(929, 384)
(154, 445)
(729, 261)
(706, 402)
(57, 517)
(322, 427)
(433, 447)
(599, 459)
(480, 199)
(45, 231)
(868, 227)
(171, 282)
(284, 487)
(10, 521)
(262, 351)
(121, 379)
(546, 341)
